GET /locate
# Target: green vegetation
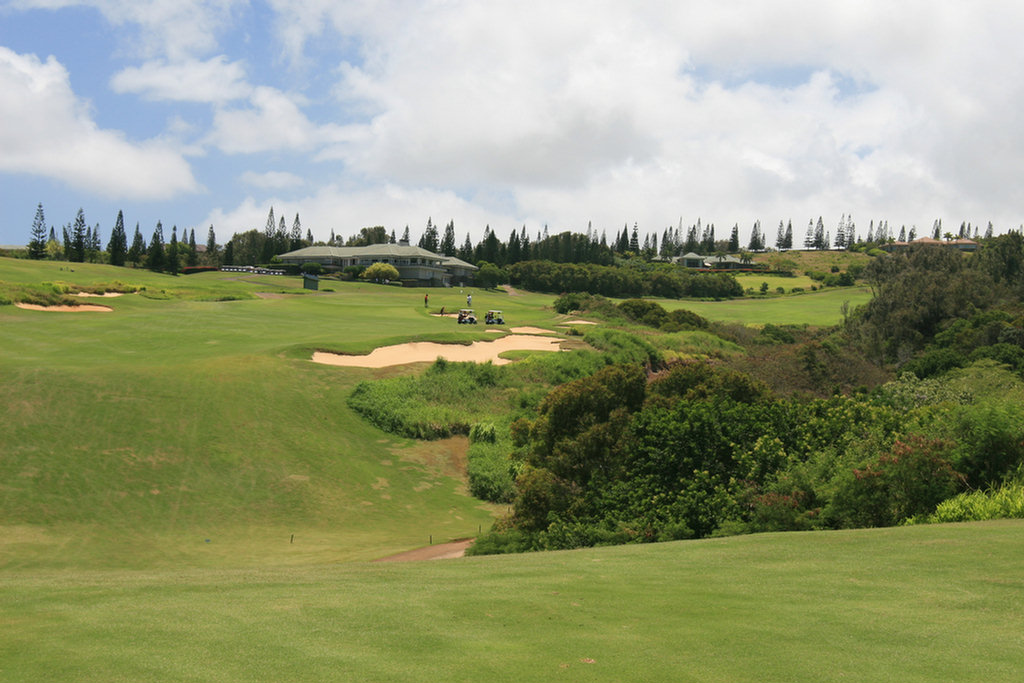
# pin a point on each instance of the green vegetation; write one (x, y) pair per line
(178, 470)
(917, 604)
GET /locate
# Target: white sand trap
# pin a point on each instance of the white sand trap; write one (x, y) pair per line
(104, 295)
(530, 330)
(579, 322)
(418, 352)
(85, 308)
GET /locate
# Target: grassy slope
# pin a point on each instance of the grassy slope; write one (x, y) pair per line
(132, 437)
(932, 603)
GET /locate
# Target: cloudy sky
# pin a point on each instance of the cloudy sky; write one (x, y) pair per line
(356, 113)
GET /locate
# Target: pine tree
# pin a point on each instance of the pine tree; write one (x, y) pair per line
(37, 237)
(634, 240)
(155, 253)
(171, 256)
(430, 240)
(734, 239)
(756, 238)
(780, 236)
(118, 245)
(465, 251)
(405, 236)
(809, 237)
(138, 247)
(989, 231)
(840, 242)
(789, 234)
(193, 254)
(937, 229)
(820, 241)
(448, 247)
(295, 242)
(76, 249)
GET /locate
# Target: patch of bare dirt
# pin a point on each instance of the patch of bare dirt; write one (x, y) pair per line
(438, 551)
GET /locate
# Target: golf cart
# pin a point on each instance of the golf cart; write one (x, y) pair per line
(467, 316)
(494, 318)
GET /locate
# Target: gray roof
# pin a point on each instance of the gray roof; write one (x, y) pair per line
(452, 262)
(371, 251)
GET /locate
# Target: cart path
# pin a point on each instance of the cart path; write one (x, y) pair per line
(438, 551)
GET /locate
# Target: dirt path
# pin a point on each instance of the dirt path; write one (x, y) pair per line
(439, 551)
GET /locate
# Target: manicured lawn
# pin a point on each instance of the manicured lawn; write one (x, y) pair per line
(912, 604)
(822, 308)
(183, 432)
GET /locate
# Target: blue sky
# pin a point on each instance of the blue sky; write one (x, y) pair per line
(534, 113)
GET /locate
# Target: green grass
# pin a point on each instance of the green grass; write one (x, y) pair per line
(912, 604)
(822, 308)
(754, 280)
(185, 497)
(132, 437)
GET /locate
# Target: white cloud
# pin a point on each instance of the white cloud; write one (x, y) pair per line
(215, 80)
(274, 122)
(49, 132)
(272, 180)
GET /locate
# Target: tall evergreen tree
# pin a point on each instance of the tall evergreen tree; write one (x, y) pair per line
(820, 241)
(430, 239)
(465, 251)
(171, 257)
(789, 234)
(76, 253)
(634, 240)
(405, 236)
(193, 254)
(155, 254)
(138, 248)
(37, 237)
(295, 241)
(448, 247)
(734, 239)
(756, 238)
(118, 245)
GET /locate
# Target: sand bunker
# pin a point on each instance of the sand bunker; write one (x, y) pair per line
(85, 308)
(418, 352)
(579, 322)
(529, 330)
(104, 295)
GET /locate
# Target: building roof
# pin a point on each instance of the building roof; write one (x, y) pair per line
(452, 262)
(370, 252)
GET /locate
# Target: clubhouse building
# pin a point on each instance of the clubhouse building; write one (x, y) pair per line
(416, 267)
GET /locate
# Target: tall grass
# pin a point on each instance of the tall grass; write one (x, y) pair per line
(1005, 502)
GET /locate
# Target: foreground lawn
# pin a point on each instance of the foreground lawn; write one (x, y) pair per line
(929, 604)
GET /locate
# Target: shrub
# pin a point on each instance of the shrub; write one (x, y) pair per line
(1005, 502)
(910, 480)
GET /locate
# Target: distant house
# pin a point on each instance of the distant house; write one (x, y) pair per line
(416, 266)
(960, 244)
(725, 262)
(691, 260)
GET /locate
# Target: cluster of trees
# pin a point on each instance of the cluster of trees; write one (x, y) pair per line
(81, 243)
(631, 455)
(628, 280)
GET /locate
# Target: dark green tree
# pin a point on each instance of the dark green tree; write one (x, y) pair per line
(118, 245)
(448, 241)
(138, 248)
(430, 239)
(155, 255)
(192, 258)
(734, 239)
(37, 238)
(171, 257)
(78, 241)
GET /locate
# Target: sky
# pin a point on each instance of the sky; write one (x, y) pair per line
(557, 113)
